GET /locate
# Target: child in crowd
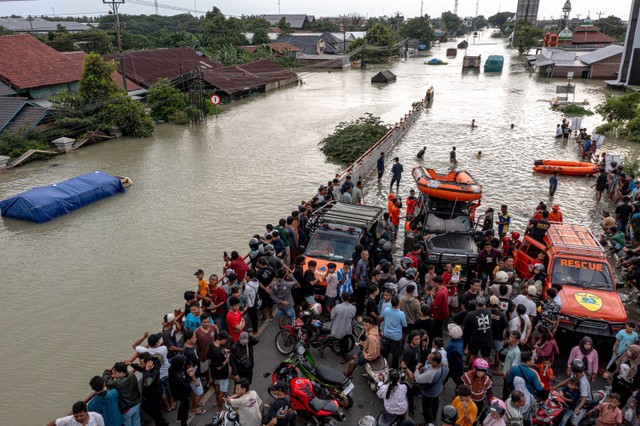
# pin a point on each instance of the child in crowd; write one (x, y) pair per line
(610, 413)
(467, 409)
(571, 396)
(546, 376)
(455, 354)
(624, 339)
(331, 278)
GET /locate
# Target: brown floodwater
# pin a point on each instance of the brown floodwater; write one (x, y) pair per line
(77, 291)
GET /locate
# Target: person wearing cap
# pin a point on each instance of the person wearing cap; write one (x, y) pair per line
(247, 404)
(242, 357)
(396, 174)
(526, 299)
(280, 412)
(161, 352)
(478, 329)
(499, 323)
(555, 215)
(169, 335)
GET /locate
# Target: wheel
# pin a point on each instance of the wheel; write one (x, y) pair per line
(285, 342)
(345, 400)
(336, 347)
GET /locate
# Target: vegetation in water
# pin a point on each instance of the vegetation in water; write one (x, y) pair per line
(622, 116)
(14, 144)
(168, 103)
(573, 109)
(352, 139)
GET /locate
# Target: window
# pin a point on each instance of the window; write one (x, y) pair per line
(582, 273)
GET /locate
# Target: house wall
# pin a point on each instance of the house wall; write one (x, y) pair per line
(281, 83)
(46, 91)
(561, 72)
(607, 68)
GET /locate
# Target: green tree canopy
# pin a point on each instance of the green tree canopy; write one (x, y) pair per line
(164, 99)
(479, 22)
(613, 26)
(261, 37)
(499, 19)
(219, 31)
(96, 82)
(381, 35)
(352, 139)
(284, 26)
(526, 36)
(420, 29)
(451, 22)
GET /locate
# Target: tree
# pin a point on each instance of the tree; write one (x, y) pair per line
(381, 35)
(500, 18)
(284, 26)
(451, 22)
(418, 28)
(96, 83)
(479, 22)
(619, 108)
(352, 139)
(219, 31)
(526, 36)
(395, 22)
(613, 26)
(261, 37)
(164, 99)
(323, 25)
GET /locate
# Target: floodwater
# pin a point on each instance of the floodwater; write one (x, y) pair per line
(77, 291)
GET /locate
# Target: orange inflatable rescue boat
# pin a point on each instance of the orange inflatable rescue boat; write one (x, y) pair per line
(572, 168)
(454, 186)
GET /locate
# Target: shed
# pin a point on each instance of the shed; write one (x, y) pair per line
(385, 76)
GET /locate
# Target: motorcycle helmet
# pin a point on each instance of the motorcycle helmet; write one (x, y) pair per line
(268, 249)
(480, 364)
(515, 235)
(411, 273)
(367, 421)
(305, 316)
(449, 415)
(577, 366)
(254, 244)
(316, 309)
(505, 240)
(405, 262)
(502, 277)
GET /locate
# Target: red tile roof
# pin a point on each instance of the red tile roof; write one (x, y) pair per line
(237, 79)
(591, 35)
(79, 56)
(145, 67)
(26, 63)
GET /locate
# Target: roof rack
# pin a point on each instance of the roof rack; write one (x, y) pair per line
(357, 215)
(576, 236)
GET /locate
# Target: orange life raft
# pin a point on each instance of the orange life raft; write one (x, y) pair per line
(454, 186)
(573, 168)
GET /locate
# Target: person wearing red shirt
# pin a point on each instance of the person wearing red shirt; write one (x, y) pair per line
(218, 307)
(394, 216)
(411, 202)
(439, 306)
(238, 265)
(235, 321)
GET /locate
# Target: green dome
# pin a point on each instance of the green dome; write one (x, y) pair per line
(587, 22)
(565, 34)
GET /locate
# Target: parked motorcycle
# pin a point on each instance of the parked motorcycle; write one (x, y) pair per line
(377, 371)
(312, 332)
(550, 412)
(312, 409)
(327, 381)
(226, 417)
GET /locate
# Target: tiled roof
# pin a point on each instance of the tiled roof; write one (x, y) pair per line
(6, 90)
(236, 79)
(591, 35)
(145, 67)
(307, 44)
(26, 63)
(19, 113)
(79, 56)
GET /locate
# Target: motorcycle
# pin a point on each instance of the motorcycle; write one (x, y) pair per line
(377, 371)
(550, 412)
(328, 381)
(312, 332)
(226, 417)
(312, 409)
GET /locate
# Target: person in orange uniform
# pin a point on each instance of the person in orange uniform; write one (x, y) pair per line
(411, 202)
(394, 215)
(555, 215)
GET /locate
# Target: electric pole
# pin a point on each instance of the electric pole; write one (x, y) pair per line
(156, 3)
(114, 5)
(278, 7)
(455, 8)
(421, 8)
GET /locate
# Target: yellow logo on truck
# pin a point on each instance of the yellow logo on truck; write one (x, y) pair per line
(589, 301)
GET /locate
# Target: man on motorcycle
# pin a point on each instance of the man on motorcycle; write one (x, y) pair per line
(577, 368)
(370, 347)
(279, 412)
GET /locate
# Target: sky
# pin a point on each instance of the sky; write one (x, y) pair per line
(409, 8)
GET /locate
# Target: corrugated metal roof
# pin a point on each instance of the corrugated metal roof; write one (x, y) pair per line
(39, 25)
(145, 67)
(296, 21)
(241, 78)
(79, 56)
(601, 54)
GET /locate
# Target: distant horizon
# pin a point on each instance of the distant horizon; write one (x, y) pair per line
(549, 9)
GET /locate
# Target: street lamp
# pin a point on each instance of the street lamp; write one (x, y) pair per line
(475, 35)
(114, 5)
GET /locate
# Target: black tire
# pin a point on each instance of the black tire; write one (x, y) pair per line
(286, 342)
(345, 401)
(335, 345)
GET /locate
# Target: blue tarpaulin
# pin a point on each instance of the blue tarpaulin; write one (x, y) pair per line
(48, 202)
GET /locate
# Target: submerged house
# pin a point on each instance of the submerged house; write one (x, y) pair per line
(602, 63)
(384, 77)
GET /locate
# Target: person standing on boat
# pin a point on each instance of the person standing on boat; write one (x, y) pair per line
(504, 220)
(380, 166)
(553, 183)
(421, 152)
(396, 175)
(452, 156)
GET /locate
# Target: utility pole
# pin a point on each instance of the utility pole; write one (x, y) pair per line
(455, 8)
(30, 19)
(278, 7)
(156, 3)
(604, 24)
(421, 8)
(114, 5)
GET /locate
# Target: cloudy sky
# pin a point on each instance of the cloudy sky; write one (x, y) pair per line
(410, 8)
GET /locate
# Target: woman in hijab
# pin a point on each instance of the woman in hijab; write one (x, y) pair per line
(529, 400)
(588, 355)
(495, 416)
(455, 354)
(181, 374)
(625, 370)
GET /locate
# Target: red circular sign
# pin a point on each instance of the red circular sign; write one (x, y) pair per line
(215, 99)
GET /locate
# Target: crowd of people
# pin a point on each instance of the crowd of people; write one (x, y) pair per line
(473, 329)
